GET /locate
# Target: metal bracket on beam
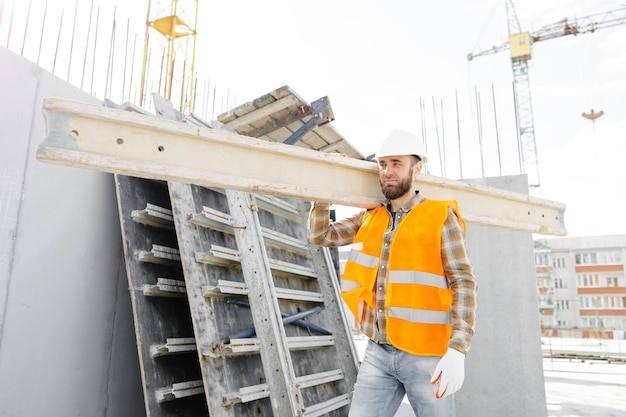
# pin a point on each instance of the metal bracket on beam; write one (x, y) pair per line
(280, 123)
(322, 113)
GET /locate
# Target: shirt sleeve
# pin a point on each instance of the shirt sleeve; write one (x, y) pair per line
(322, 232)
(460, 274)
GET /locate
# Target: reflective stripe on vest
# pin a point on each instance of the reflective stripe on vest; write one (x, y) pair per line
(347, 285)
(415, 277)
(353, 288)
(363, 259)
(420, 316)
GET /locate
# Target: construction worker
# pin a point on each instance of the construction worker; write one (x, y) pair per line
(410, 284)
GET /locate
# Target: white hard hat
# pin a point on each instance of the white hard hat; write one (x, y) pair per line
(400, 142)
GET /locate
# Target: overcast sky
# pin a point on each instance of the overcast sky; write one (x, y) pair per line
(393, 64)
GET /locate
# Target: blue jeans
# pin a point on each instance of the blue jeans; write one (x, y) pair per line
(386, 374)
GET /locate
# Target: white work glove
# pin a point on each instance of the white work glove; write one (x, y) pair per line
(449, 373)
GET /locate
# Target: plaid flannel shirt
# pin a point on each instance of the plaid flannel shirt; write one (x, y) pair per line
(457, 266)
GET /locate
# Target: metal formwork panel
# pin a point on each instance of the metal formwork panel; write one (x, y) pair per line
(248, 268)
(171, 377)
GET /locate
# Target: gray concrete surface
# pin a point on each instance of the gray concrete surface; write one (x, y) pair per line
(577, 389)
(504, 376)
(67, 344)
(585, 388)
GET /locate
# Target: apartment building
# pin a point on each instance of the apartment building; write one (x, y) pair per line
(581, 286)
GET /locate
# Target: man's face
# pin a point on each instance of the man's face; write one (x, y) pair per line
(396, 174)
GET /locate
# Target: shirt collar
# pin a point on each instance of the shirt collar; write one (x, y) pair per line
(417, 198)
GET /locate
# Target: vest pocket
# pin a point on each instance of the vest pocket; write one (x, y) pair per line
(354, 301)
(445, 296)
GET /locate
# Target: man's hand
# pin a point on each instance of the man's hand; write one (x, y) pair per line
(449, 373)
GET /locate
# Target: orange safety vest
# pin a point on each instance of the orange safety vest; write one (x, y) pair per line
(418, 300)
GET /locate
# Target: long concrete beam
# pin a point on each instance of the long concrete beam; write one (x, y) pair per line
(118, 141)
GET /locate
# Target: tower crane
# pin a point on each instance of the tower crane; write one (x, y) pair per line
(520, 44)
(170, 56)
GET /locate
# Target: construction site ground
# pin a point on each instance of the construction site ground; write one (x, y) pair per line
(574, 387)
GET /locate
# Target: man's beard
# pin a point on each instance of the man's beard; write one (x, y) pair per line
(392, 192)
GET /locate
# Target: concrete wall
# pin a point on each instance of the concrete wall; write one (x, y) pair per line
(504, 370)
(67, 344)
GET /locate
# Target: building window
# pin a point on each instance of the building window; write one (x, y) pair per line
(609, 257)
(542, 259)
(558, 262)
(606, 323)
(562, 304)
(593, 322)
(588, 280)
(587, 258)
(589, 302)
(543, 282)
(560, 283)
(598, 258)
(601, 302)
(612, 302)
(612, 282)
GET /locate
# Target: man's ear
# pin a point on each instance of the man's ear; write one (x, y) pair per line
(417, 168)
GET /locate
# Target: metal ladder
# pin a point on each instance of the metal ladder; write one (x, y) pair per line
(263, 331)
